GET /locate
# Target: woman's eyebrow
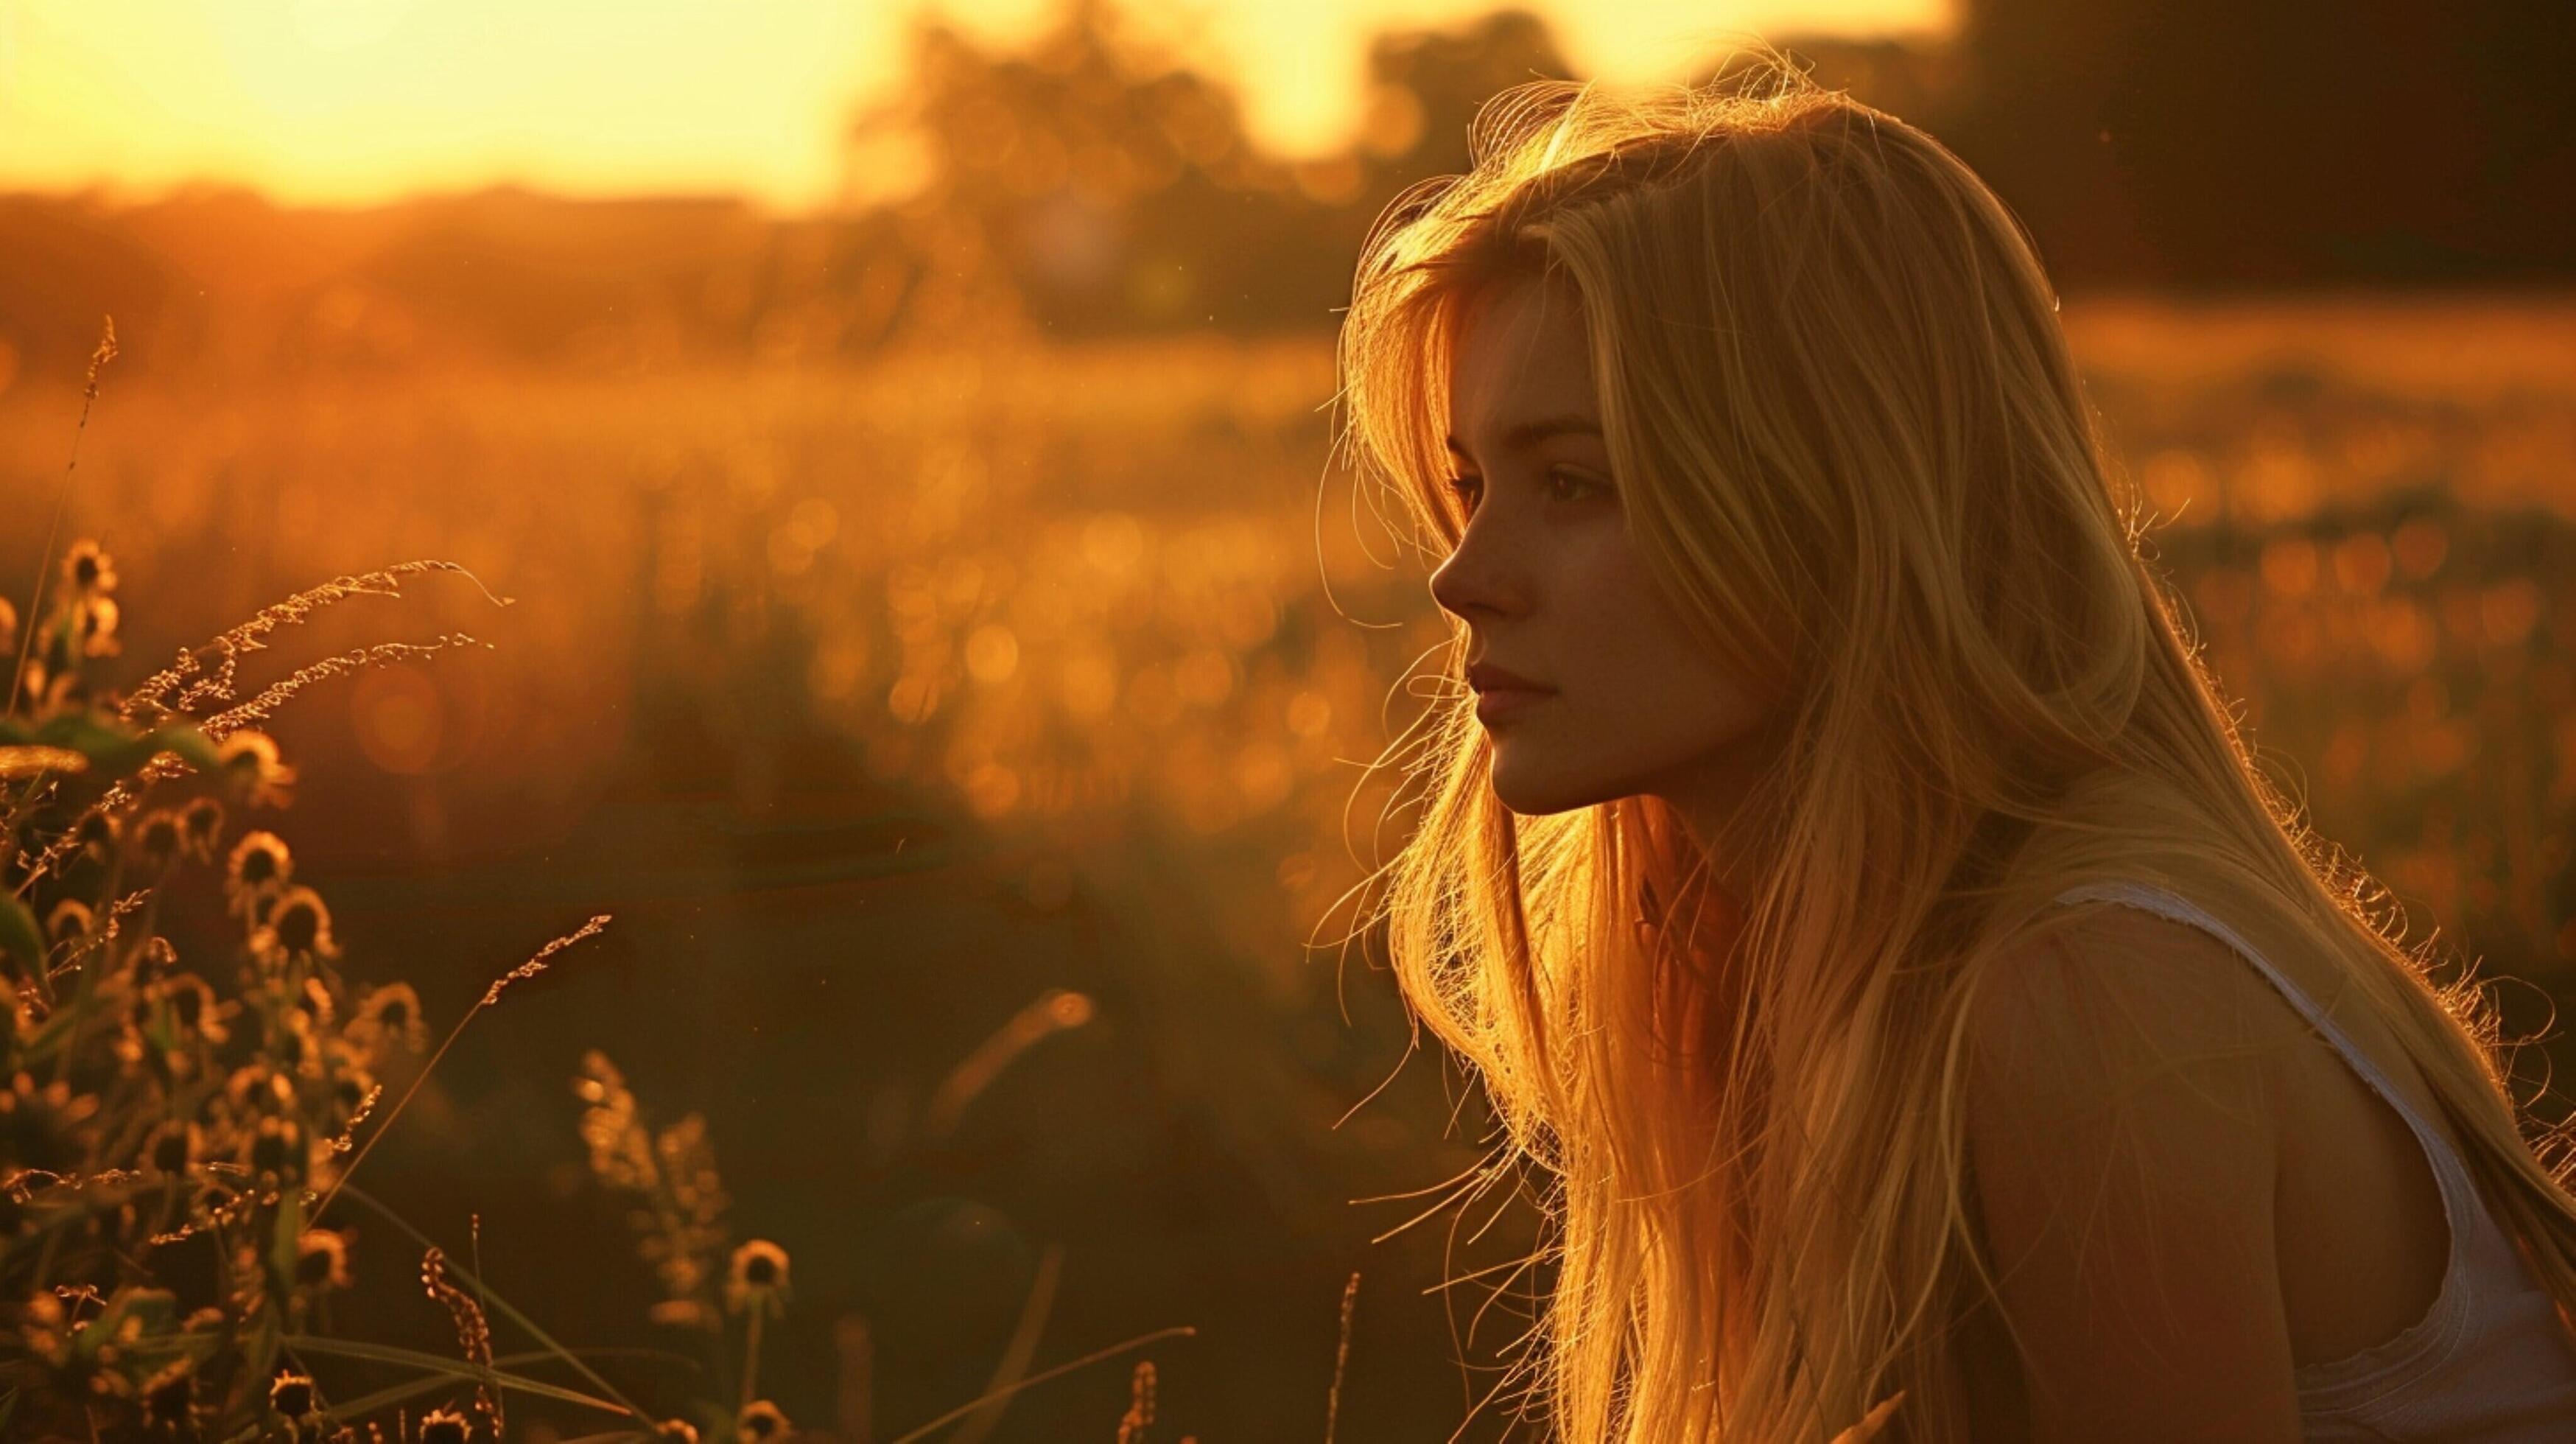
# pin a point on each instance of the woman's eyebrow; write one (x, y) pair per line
(1529, 433)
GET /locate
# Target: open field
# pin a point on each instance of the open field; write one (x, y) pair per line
(1100, 632)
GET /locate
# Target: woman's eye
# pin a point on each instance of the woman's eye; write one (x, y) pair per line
(1580, 481)
(1469, 489)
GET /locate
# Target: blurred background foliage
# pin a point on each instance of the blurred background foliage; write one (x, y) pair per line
(926, 607)
(1090, 185)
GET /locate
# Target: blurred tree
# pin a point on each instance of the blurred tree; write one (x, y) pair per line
(1091, 185)
(2204, 142)
(1070, 188)
(1424, 86)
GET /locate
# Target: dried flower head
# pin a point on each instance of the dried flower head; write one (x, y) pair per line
(153, 843)
(322, 1259)
(173, 1147)
(97, 836)
(70, 919)
(256, 1088)
(760, 1422)
(193, 1008)
(291, 1394)
(278, 1149)
(757, 1276)
(158, 959)
(389, 1021)
(87, 570)
(298, 926)
(445, 1426)
(46, 1127)
(675, 1431)
(260, 863)
(201, 826)
(252, 768)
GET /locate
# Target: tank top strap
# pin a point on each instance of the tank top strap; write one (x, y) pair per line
(2168, 904)
(2477, 1245)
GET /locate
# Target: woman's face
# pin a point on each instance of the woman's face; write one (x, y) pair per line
(1551, 589)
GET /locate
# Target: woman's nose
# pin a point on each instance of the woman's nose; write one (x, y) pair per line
(1479, 575)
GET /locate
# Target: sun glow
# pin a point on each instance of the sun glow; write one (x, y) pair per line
(356, 101)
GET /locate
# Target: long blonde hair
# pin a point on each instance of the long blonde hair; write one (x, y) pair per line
(1855, 452)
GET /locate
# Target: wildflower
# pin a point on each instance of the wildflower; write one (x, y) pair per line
(758, 1276)
(157, 960)
(278, 1148)
(70, 919)
(389, 1017)
(252, 768)
(97, 834)
(759, 1422)
(200, 827)
(445, 1426)
(259, 863)
(155, 840)
(291, 1394)
(258, 1088)
(675, 1431)
(193, 1007)
(322, 1259)
(47, 1128)
(173, 1147)
(87, 570)
(297, 926)
(98, 627)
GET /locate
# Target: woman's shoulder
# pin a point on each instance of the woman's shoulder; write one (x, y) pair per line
(2096, 981)
(2111, 1020)
(2123, 1132)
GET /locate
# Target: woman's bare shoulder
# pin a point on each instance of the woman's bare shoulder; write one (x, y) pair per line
(2123, 1131)
(2104, 985)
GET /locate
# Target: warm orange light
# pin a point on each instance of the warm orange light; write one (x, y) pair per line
(356, 101)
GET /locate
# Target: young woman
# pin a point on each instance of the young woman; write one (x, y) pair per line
(1846, 880)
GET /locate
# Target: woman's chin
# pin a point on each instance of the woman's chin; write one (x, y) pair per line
(1539, 796)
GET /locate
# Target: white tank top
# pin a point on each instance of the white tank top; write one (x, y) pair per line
(2490, 1363)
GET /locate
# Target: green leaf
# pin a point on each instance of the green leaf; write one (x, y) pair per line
(445, 1367)
(282, 1253)
(20, 937)
(493, 1301)
(117, 750)
(191, 744)
(391, 1395)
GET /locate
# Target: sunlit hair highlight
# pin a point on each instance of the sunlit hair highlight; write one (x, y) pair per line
(1855, 453)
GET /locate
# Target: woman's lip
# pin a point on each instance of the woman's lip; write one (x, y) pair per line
(1496, 703)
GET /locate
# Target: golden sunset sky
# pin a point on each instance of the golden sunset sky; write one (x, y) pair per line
(339, 102)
